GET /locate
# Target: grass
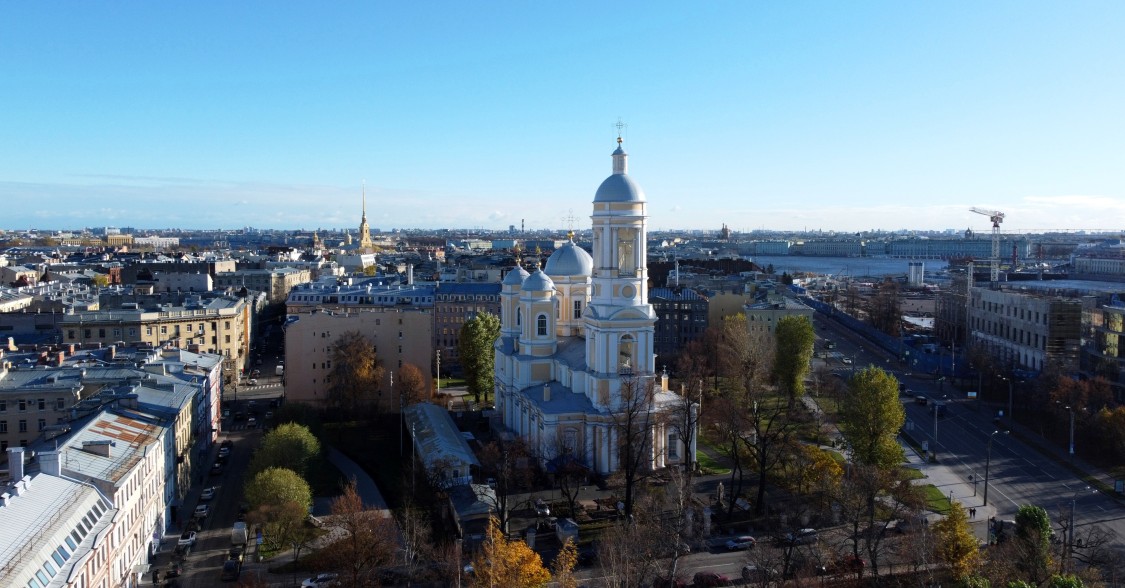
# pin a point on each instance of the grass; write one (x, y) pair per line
(709, 465)
(936, 500)
(911, 474)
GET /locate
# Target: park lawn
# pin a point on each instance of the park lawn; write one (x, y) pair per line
(709, 465)
(936, 500)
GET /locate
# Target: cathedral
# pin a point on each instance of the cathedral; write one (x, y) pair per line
(578, 329)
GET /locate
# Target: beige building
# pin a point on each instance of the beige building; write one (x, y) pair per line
(1025, 330)
(218, 326)
(400, 336)
(762, 317)
(276, 283)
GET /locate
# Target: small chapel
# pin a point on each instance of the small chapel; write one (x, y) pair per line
(578, 329)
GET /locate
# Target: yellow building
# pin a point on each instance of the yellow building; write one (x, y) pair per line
(218, 326)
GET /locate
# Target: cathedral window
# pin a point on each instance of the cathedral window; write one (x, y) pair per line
(625, 354)
(577, 309)
(541, 325)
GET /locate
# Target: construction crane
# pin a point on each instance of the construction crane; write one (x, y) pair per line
(996, 217)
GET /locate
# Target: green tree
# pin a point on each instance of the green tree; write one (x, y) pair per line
(279, 501)
(795, 337)
(476, 352)
(956, 545)
(276, 486)
(1032, 543)
(356, 373)
(290, 446)
(1066, 581)
(871, 416)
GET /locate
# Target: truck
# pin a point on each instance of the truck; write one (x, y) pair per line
(280, 371)
(239, 534)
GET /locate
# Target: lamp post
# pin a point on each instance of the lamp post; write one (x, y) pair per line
(1070, 541)
(987, 463)
(1009, 380)
(1071, 409)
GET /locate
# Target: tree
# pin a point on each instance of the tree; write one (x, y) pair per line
(1032, 543)
(410, 385)
(632, 427)
(884, 310)
(501, 562)
(563, 566)
(794, 337)
(369, 540)
(356, 373)
(289, 446)
(745, 355)
(769, 439)
(417, 541)
(276, 486)
(477, 354)
(871, 416)
(956, 545)
(502, 461)
(279, 501)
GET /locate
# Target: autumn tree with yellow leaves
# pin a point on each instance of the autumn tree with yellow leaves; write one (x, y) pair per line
(955, 544)
(511, 564)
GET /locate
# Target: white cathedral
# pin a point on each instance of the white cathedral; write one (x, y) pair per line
(570, 332)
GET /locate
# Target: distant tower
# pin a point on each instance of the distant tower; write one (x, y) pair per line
(725, 233)
(365, 243)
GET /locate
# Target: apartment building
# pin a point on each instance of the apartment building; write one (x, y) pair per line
(1026, 330)
(217, 325)
(276, 282)
(762, 316)
(399, 336)
(681, 317)
(1103, 351)
(454, 304)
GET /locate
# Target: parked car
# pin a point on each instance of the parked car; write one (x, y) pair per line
(235, 553)
(921, 400)
(541, 508)
(320, 581)
(202, 511)
(251, 422)
(187, 539)
(739, 543)
(208, 493)
(709, 578)
(253, 382)
(804, 537)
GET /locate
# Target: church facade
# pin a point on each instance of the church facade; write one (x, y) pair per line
(576, 342)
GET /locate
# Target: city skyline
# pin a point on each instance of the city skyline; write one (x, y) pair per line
(788, 117)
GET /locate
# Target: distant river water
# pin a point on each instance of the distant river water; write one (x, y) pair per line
(850, 266)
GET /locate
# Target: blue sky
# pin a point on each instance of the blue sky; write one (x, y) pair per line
(779, 115)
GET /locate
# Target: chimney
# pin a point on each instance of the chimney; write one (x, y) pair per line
(112, 353)
(4, 499)
(410, 274)
(546, 392)
(60, 357)
(49, 463)
(70, 348)
(96, 447)
(15, 463)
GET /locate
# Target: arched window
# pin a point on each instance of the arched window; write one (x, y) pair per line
(519, 317)
(625, 354)
(541, 325)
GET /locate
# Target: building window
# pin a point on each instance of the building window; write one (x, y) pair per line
(3, 426)
(23, 405)
(541, 325)
(42, 424)
(3, 406)
(23, 425)
(673, 446)
(577, 309)
(42, 404)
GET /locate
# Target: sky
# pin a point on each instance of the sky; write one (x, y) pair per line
(845, 116)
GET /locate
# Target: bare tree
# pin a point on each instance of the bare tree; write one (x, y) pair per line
(633, 420)
(370, 537)
(568, 472)
(506, 462)
(417, 542)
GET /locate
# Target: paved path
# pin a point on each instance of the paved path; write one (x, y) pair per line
(366, 487)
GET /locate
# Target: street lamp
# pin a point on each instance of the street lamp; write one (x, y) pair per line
(988, 462)
(1071, 409)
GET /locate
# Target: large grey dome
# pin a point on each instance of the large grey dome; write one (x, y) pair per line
(619, 188)
(516, 276)
(538, 282)
(570, 260)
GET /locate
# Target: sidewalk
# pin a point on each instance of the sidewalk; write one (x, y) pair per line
(953, 485)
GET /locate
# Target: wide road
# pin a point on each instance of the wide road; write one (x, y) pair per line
(1018, 474)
